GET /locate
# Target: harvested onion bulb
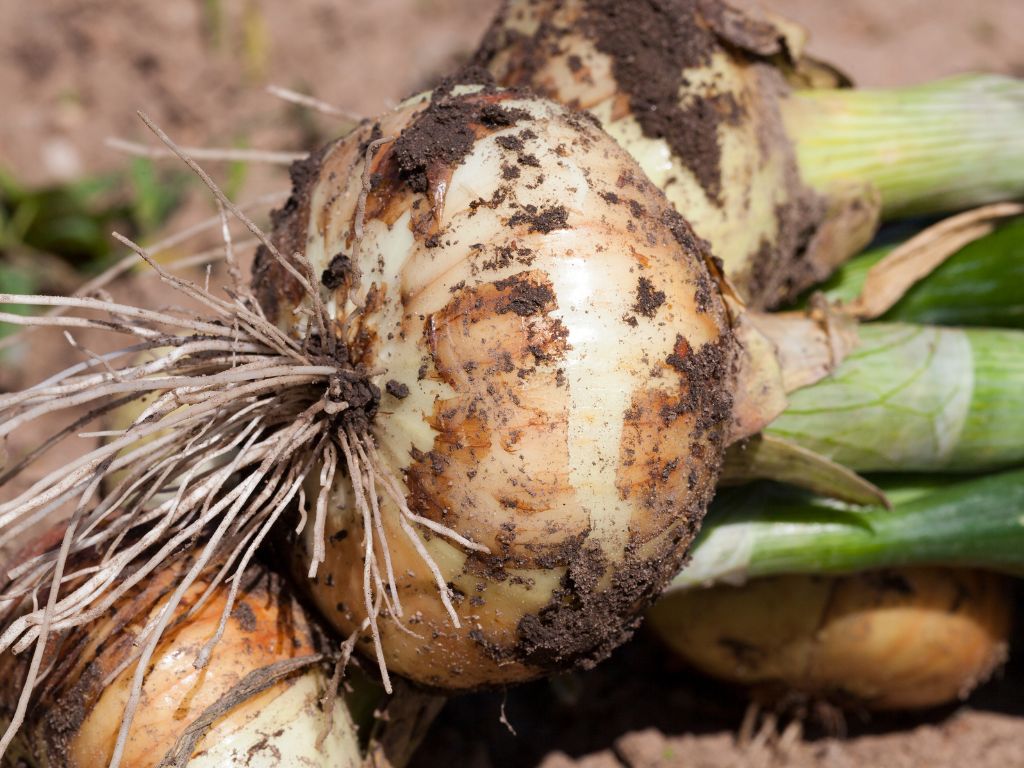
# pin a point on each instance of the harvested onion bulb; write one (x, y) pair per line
(783, 172)
(257, 702)
(893, 639)
(550, 370)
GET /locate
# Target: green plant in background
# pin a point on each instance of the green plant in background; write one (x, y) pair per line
(52, 235)
(73, 221)
(213, 23)
(255, 42)
(153, 195)
(237, 173)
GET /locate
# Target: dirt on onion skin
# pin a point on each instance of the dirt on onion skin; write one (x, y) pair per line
(443, 134)
(648, 298)
(650, 46)
(649, 49)
(543, 221)
(498, 344)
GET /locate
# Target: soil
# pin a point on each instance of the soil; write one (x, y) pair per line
(882, 43)
(642, 709)
(639, 42)
(72, 73)
(443, 134)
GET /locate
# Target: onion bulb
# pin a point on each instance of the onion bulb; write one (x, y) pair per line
(548, 369)
(678, 86)
(784, 173)
(263, 677)
(893, 639)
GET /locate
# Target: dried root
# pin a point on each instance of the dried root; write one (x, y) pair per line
(311, 102)
(218, 154)
(240, 417)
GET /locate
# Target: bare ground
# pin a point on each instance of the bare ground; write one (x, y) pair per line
(72, 72)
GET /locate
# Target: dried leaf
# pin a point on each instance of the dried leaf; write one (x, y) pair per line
(767, 457)
(893, 276)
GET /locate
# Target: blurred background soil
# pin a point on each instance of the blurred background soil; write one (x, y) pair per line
(72, 74)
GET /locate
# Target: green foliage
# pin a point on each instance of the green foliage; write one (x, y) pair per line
(73, 221)
(980, 285)
(766, 529)
(50, 233)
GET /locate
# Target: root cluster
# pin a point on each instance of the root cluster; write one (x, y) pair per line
(241, 422)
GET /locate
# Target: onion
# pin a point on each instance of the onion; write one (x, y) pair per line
(784, 173)
(892, 639)
(482, 356)
(550, 380)
(257, 699)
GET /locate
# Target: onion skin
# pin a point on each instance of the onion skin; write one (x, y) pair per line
(692, 89)
(78, 717)
(557, 368)
(904, 638)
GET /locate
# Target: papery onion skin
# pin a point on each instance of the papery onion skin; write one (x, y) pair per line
(902, 638)
(691, 88)
(557, 370)
(75, 720)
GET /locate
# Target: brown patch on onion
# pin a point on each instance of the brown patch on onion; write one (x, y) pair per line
(499, 348)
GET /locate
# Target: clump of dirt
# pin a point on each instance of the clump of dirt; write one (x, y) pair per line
(649, 49)
(444, 133)
(397, 389)
(541, 220)
(648, 298)
(337, 270)
(712, 362)
(524, 297)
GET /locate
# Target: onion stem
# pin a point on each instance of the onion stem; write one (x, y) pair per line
(945, 145)
(916, 398)
(765, 529)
